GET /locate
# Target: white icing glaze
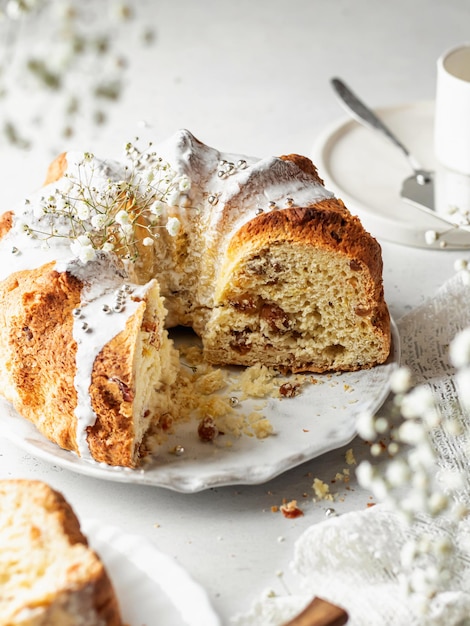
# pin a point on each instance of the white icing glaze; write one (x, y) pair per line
(202, 165)
(93, 328)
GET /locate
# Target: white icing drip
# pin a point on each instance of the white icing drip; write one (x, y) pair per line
(202, 164)
(102, 280)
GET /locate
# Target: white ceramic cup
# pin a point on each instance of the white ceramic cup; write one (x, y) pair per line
(452, 118)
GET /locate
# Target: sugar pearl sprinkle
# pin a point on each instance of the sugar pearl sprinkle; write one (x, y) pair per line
(120, 297)
(117, 305)
(227, 168)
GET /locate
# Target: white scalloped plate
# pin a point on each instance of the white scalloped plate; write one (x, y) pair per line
(151, 587)
(321, 418)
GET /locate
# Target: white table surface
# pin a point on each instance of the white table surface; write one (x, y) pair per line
(253, 77)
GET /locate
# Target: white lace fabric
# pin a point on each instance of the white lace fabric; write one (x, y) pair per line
(353, 559)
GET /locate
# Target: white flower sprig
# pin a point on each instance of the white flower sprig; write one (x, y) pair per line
(461, 219)
(62, 63)
(461, 266)
(117, 208)
(408, 481)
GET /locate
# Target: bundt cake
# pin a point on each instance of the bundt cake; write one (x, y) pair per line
(49, 575)
(255, 255)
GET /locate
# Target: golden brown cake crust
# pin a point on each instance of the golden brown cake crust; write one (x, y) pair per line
(38, 372)
(6, 220)
(304, 164)
(44, 504)
(327, 224)
(37, 375)
(56, 169)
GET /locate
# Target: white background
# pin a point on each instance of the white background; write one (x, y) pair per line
(253, 77)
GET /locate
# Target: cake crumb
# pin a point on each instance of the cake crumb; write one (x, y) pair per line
(322, 490)
(289, 390)
(291, 510)
(210, 382)
(260, 425)
(350, 459)
(257, 381)
(342, 476)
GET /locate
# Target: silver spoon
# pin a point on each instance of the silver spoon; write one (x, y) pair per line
(417, 189)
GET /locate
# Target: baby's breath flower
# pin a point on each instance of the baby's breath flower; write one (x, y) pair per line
(398, 472)
(431, 236)
(98, 221)
(83, 249)
(184, 183)
(460, 349)
(419, 400)
(173, 197)
(156, 208)
(365, 425)
(82, 211)
(438, 502)
(460, 264)
(408, 553)
(173, 226)
(147, 241)
(52, 67)
(15, 9)
(465, 275)
(365, 473)
(127, 229)
(462, 379)
(400, 380)
(409, 481)
(122, 218)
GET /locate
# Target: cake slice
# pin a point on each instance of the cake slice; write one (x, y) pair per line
(49, 576)
(300, 290)
(85, 357)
